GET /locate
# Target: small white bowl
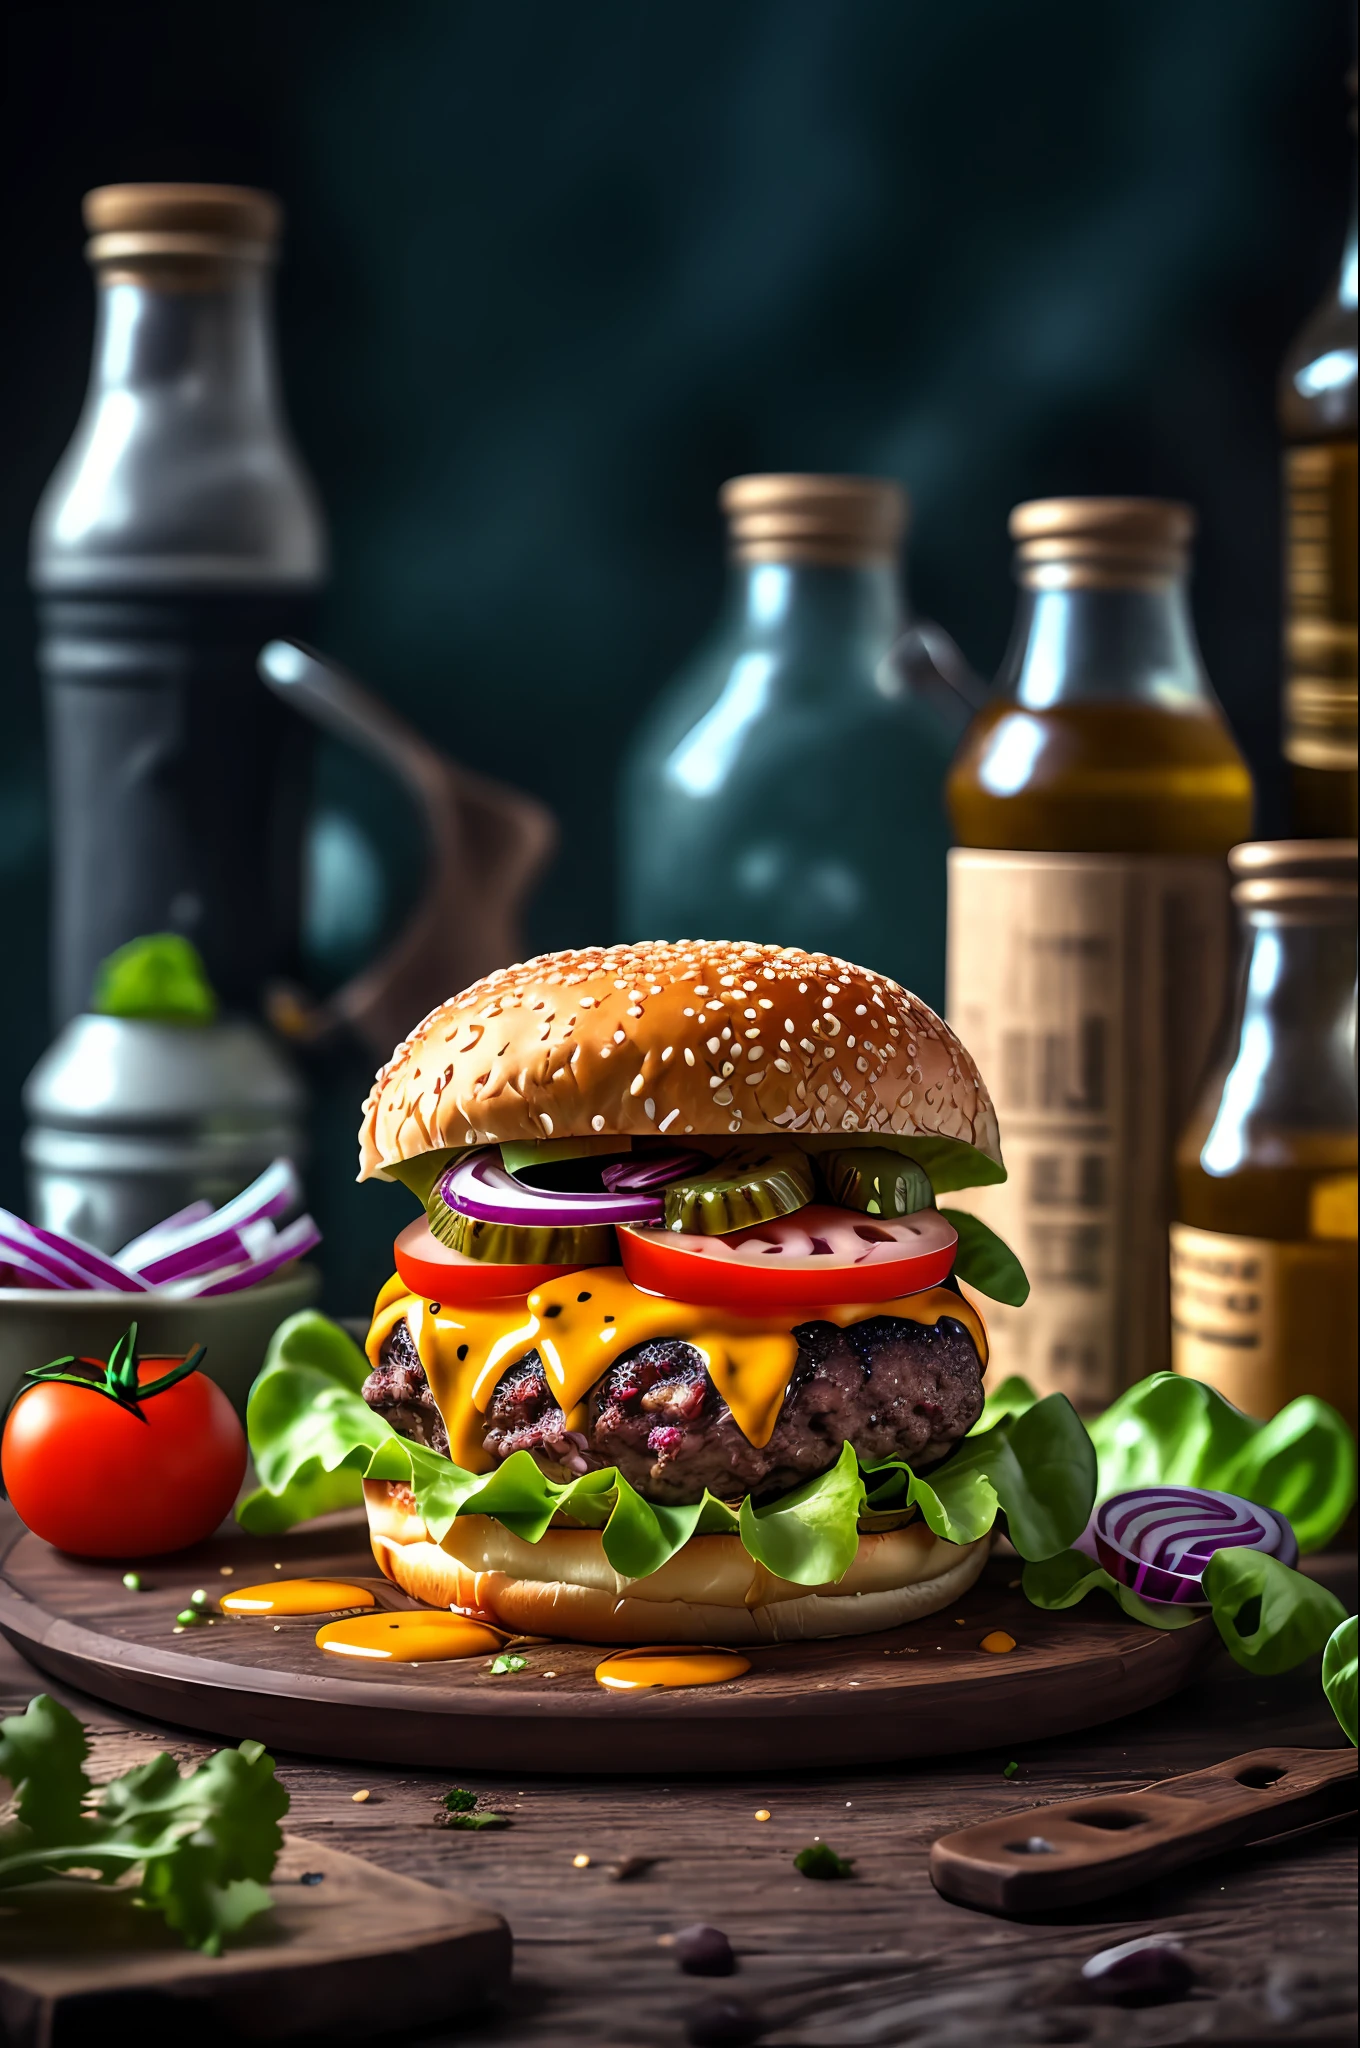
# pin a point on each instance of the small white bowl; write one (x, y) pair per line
(37, 1326)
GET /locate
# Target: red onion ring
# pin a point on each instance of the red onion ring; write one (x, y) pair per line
(648, 1170)
(1158, 1540)
(479, 1186)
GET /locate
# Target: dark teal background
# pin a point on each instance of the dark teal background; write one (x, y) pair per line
(552, 273)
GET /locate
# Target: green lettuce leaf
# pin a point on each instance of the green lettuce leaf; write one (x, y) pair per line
(1339, 1674)
(314, 1439)
(985, 1261)
(950, 1163)
(1270, 1617)
(205, 1844)
(1172, 1431)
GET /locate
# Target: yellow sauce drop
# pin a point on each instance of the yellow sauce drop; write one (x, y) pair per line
(418, 1637)
(998, 1642)
(668, 1664)
(296, 1596)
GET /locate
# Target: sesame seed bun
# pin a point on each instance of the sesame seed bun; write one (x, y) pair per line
(711, 1591)
(707, 1037)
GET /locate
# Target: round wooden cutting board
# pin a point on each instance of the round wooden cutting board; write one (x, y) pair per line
(925, 1690)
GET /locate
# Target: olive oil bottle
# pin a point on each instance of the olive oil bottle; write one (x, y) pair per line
(1263, 1248)
(1094, 801)
(1317, 409)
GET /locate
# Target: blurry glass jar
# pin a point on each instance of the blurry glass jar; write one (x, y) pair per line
(788, 785)
(1263, 1249)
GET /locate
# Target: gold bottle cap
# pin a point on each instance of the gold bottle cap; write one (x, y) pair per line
(178, 234)
(837, 521)
(1100, 543)
(1314, 876)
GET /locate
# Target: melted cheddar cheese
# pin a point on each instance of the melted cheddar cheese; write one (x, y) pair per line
(579, 1324)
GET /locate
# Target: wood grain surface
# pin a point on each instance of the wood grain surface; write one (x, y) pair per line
(1076, 1849)
(880, 1959)
(347, 1951)
(924, 1690)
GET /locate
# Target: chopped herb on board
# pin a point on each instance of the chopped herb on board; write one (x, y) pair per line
(204, 1845)
(473, 1820)
(1010, 1770)
(820, 1860)
(507, 1661)
(459, 1800)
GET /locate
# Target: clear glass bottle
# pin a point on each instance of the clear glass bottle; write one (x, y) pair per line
(1263, 1248)
(177, 534)
(1094, 801)
(787, 787)
(1317, 412)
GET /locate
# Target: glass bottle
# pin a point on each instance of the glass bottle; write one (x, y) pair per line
(1263, 1248)
(787, 786)
(178, 533)
(1317, 411)
(1094, 801)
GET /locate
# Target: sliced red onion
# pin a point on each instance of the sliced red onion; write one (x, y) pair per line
(163, 1236)
(646, 1170)
(299, 1238)
(71, 1262)
(1157, 1540)
(211, 1254)
(479, 1186)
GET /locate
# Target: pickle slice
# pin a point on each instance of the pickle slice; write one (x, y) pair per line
(747, 1185)
(876, 1181)
(521, 1244)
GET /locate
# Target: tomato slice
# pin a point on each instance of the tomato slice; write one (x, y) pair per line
(819, 1254)
(441, 1274)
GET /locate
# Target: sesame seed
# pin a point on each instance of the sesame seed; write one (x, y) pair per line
(715, 1080)
(619, 1037)
(547, 1123)
(789, 1025)
(723, 1094)
(783, 1066)
(667, 1051)
(714, 1044)
(633, 1010)
(755, 1052)
(668, 1119)
(748, 1013)
(754, 1032)
(597, 1123)
(751, 1079)
(689, 1013)
(636, 1085)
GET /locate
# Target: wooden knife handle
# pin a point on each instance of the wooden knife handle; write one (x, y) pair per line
(1079, 1849)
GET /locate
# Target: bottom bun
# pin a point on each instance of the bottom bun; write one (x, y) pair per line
(712, 1591)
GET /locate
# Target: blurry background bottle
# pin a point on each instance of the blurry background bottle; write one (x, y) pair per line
(1094, 802)
(1317, 404)
(1263, 1249)
(177, 534)
(788, 786)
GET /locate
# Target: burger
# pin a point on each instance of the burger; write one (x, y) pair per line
(678, 1350)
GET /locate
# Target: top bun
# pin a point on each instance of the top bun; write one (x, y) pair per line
(661, 1040)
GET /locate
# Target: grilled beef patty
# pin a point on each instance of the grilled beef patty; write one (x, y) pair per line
(891, 1388)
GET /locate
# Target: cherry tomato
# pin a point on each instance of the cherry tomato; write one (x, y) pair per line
(101, 1478)
(819, 1254)
(432, 1269)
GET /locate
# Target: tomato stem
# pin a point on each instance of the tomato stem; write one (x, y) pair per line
(120, 1382)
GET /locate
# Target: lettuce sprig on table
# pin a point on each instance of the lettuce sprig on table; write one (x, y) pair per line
(204, 1845)
(1172, 1431)
(315, 1439)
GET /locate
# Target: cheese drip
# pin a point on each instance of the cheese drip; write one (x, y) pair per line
(579, 1324)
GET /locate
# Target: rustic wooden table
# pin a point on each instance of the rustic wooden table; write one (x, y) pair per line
(879, 1959)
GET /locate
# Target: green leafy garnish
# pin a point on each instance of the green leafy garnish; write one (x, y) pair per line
(1339, 1674)
(314, 1438)
(474, 1820)
(205, 1844)
(820, 1860)
(985, 1261)
(1172, 1431)
(161, 979)
(459, 1800)
(951, 1163)
(508, 1661)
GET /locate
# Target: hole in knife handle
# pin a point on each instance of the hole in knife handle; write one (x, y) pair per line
(1035, 1846)
(1258, 1776)
(1112, 1818)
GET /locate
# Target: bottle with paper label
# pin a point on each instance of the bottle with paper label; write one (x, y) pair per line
(1094, 802)
(1317, 409)
(1263, 1248)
